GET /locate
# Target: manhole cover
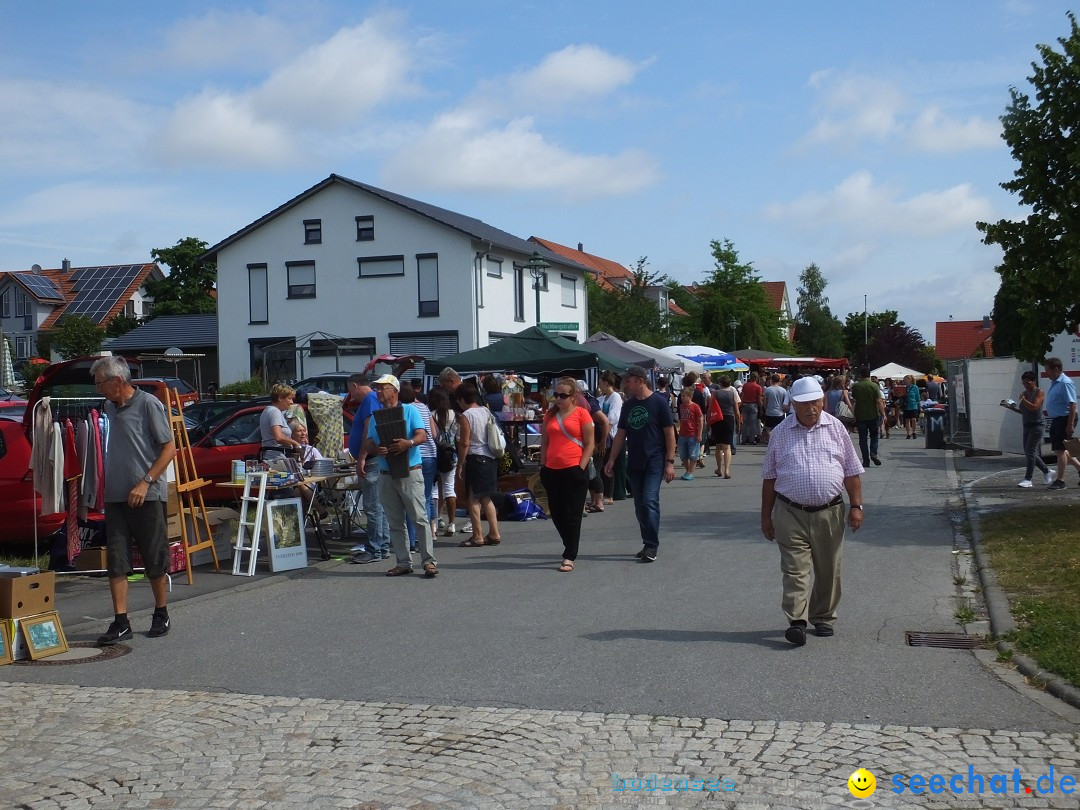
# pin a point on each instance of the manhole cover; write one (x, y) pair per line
(945, 641)
(80, 652)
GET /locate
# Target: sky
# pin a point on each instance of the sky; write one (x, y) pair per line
(861, 137)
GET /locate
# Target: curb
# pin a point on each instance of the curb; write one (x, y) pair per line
(997, 608)
(273, 579)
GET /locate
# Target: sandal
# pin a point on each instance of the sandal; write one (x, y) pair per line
(471, 543)
(431, 570)
(492, 541)
(398, 571)
(592, 509)
(566, 567)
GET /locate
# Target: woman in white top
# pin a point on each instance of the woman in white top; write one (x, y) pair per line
(611, 404)
(481, 468)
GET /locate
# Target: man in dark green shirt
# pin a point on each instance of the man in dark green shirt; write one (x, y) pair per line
(869, 408)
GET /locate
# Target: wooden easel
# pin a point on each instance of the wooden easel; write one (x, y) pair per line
(189, 488)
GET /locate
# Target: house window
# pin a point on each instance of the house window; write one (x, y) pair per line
(519, 292)
(425, 344)
(373, 266)
(301, 279)
(22, 347)
(494, 266)
(312, 231)
(569, 291)
(129, 309)
(20, 304)
(427, 281)
(258, 305)
(5, 304)
(365, 229)
(342, 347)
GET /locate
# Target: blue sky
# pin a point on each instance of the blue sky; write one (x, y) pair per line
(862, 137)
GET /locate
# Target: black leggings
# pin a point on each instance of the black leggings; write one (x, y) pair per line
(566, 491)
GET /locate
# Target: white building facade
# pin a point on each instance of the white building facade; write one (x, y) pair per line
(345, 272)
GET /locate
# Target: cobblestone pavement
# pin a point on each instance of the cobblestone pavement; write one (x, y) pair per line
(80, 747)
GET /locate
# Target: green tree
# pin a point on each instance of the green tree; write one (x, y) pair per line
(121, 325)
(733, 291)
(77, 336)
(630, 314)
(854, 343)
(1008, 322)
(818, 333)
(187, 290)
(1042, 252)
(890, 340)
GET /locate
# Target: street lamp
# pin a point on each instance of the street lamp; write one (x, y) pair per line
(733, 324)
(537, 268)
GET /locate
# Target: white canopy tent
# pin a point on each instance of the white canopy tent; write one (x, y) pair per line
(895, 371)
(666, 360)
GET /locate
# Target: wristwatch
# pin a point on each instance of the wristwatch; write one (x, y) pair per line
(148, 479)
(670, 461)
(856, 506)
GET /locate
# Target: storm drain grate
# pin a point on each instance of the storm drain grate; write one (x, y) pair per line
(945, 641)
(80, 652)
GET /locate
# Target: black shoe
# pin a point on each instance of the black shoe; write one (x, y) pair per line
(648, 555)
(866, 463)
(159, 626)
(116, 633)
(796, 634)
(641, 554)
(823, 629)
(1059, 484)
(364, 557)
(876, 460)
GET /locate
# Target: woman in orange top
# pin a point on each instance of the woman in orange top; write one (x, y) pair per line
(566, 445)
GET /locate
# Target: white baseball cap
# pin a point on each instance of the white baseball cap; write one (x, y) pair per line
(388, 379)
(806, 389)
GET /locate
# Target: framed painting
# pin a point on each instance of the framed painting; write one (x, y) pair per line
(43, 635)
(288, 540)
(6, 654)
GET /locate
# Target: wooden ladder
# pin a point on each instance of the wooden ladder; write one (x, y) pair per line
(255, 526)
(189, 488)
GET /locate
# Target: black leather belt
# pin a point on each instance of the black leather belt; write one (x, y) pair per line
(387, 472)
(839, 499)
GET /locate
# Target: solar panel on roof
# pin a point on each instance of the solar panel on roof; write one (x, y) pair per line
(97, 289)
(40, 286)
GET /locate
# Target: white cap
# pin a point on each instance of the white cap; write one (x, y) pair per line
(806, 389)
(388, 379)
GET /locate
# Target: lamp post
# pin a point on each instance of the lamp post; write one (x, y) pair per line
(537, 268)
(733, 324)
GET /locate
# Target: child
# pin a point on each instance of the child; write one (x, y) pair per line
(690, 425)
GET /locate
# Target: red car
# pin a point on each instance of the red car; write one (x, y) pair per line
(18, 502)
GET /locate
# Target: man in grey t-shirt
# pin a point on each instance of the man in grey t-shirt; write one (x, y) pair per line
(777, 403)
(140, 449)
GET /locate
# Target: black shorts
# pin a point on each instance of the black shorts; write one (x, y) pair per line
(772, 421)
(145, 526)
(911, 414)
(482, 475)
(1057, 433)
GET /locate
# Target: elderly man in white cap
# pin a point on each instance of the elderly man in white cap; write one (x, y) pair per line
(809, 462)
(402, 496)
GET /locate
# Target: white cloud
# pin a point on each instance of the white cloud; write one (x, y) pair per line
(852, 109)
(575, 73)
(461, 152)
(69, 202)
(239, 40)
(876, 209)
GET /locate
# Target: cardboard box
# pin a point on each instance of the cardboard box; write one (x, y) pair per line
(14, 639)
(173, 502)
(91, 559)
(27, 595)
(224, 523)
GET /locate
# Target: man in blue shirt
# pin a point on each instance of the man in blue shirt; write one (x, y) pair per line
(1060, 405)
(402, 496)
(367, 470)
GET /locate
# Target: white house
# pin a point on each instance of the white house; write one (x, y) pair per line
(346, 271)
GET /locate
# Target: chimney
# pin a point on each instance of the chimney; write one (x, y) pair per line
(986, 322)
(66, 265)
(580, 247)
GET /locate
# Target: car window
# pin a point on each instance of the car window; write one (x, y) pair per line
(240, 429)
(181, 386)
(3, 444)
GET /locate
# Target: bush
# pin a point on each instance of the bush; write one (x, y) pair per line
(253, 387)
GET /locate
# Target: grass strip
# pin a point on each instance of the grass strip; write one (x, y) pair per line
(1035, 553)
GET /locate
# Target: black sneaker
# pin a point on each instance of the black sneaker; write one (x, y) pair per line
(641, 553)
(823, 629)
(116, 633)
(159, 626)
(796, 634)
(365, 557)
(876, 460)
(648, 555)
(1059, 484)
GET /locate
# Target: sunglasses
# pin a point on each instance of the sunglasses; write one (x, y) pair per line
(563, 396)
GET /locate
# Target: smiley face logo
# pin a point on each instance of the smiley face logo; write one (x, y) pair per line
(862, 784)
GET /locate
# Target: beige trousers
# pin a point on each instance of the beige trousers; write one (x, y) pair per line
(810, 541)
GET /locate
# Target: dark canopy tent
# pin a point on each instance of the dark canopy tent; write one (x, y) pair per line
(532, 351)
(613, 347)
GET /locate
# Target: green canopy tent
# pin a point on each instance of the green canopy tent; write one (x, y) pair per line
(532, 351)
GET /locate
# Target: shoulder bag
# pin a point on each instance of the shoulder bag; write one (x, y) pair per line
(496, 439)
(591, 469)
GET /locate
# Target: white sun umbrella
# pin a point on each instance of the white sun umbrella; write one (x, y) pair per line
(7, 367)
(667, 360)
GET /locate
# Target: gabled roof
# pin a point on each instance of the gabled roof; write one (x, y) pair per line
(470, 226)
(99, 293)
(164, 331)
(609, 273)
(776, 292)
(958, 340)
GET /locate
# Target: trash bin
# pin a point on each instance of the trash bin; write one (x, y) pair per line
(937, 423)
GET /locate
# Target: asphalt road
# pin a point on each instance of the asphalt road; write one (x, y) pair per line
(698, 633)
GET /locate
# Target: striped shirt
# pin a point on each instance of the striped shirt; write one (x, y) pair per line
(809, 465)
(427, 449)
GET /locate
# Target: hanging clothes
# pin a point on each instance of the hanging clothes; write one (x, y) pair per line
(325, 411)
(88, 445)
(48, 481)
(72, 474)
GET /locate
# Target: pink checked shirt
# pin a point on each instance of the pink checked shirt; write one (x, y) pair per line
(810, 464)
